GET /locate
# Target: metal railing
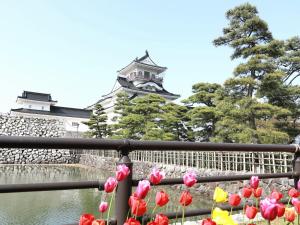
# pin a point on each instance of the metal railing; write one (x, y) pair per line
(124, 147)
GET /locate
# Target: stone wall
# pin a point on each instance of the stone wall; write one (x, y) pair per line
(34, 127)
(142, 170)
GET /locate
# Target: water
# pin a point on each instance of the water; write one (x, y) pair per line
(60, 207)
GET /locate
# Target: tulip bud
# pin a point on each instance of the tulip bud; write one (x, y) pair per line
(280, 209)
(186, 198)
(156, 176)
(234, 200)
(208, 221)
(251, 212)
(294, 193)
(103, 207)
(254, 182)
(290, 214)
(220, 196)
(257, 192)
(161, 198)
(98, 222)
(190, 178)
(161, 219)
(246, 192)
(142, 189)
(86, 219)
(132, 221)
(110, 184)
(122, 172)
(276, 195)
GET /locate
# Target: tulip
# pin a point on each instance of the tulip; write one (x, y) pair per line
(246, 192)
(98, 222)
(86, 219)
(190, 178)
(276, 195)
(138, 206)
(257, 192)
(296, 204)
(298, 185)
(110, 184)
(161, 198)
(220, 196)
(254, 181)
(161, 219)
(290, 214)
(186, 198)
(294, 193)
(151, 223)
(208, 222)
(142, 189)
(268, 208)
(234, 200)
(280, 209)
(122, 172)
(222, 217)
(156, 176)
(103, 207)
(251, 212)
(132, 221)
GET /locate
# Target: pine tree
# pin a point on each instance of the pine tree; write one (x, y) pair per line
(97, 123)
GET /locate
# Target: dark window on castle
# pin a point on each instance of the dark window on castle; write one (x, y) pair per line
(147, 75)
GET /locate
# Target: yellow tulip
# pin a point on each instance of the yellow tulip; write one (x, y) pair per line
(221, 217)
(220, 195)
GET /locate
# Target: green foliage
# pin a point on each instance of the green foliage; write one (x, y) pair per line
(97, 123)
(150, 118)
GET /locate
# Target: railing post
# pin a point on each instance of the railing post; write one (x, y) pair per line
(296, 168)
(124, 188)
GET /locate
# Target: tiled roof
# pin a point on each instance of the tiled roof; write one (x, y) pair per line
(59, 111)
(43, 97)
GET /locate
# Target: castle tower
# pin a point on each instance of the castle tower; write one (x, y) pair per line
(140, 77)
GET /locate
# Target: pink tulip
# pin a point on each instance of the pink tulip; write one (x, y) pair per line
(103, 207)
(110, 184)
(156, 176)
(254, 181)
(268, 208)
(190, 178)
(142, 189)
(122, 172)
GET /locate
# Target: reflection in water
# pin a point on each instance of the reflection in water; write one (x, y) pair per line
(57, 207)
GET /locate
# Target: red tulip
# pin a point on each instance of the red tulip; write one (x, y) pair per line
(251, 212)
(156, 176)
(208, 221)
(122, 172)
(142, 188)
(152, 223)
(190, 178)
(110, 184)
(296, 204)
(161, 198)
(234, 200)
(290, 214)
(276, 195)
(186, 198)
(246, 192)
(268, 208)
(257, 192)
(132, 221)
(280, 209)
(294, 193)
(254, 182)
(98, 222)
(161, 219)
(138, 206)
(86, 219)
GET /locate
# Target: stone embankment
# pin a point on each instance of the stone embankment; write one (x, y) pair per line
(34, 127)
(142, 170)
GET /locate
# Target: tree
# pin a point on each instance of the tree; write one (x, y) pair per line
(242, 116)
(97, 123)
(290, 62)
(203, 113)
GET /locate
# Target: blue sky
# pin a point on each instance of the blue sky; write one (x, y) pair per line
(72, 49)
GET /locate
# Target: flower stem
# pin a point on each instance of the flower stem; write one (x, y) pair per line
(109, 208)
(182, 219)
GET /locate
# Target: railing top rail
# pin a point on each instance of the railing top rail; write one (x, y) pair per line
(130, 145)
